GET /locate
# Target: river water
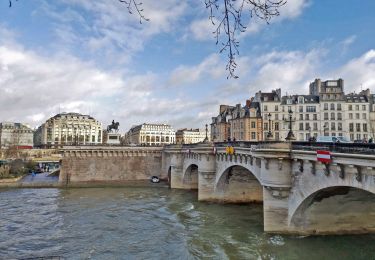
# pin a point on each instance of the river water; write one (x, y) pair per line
(151, 223)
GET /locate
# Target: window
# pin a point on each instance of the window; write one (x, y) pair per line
(276, 116)
(358, 127)
(351, 127)
(339, 116)
(276, 108)
(351, 137)
(338, 106)
(325, 106)
(300, 100)
(339, 126)
(356, 107)
(252, 124)
(315, 117)
(307, 117)
(300, 116)
(356, 115)
(358, 136)
(307, 127)
(265, 126)
(332, 106)
(315, 126)
(350, 107)
(310, 109)
(265, 108)
(300, 126)
(364, 116)
(350, 116)
(277, 137)
(276, 126)
(332, 116)
(252, 135)
(364, 127)
(300, 109)
(363, 107)
(325, 116)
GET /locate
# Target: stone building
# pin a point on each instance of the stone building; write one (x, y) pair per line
(357, 121)
(191, 136)
(69, 129)
(220, 126)
(270, 111)
(305, 116)
(150, 134)
(246, 122)
(15, 135)
(372, 115)
(239, 123)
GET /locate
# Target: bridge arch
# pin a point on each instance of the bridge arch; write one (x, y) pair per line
(344, 209)
(238, 184)
(190, 177)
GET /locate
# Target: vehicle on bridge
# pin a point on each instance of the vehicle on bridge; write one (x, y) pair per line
(332, 139)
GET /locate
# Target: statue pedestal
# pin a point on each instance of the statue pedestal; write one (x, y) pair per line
(113, 138)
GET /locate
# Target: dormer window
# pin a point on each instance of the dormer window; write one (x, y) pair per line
(300, 100)
(289, 101)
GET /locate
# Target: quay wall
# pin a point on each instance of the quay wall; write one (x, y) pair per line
(110, 165)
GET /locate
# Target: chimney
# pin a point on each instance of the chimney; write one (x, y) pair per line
(248, 102)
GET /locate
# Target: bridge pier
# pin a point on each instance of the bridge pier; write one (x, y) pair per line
(206, 185)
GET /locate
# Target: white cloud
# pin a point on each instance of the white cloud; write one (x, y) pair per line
(358, 71)
(108, 30)
(291, 71)
(211, 66)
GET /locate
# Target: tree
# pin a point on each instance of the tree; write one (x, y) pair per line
(228, 17)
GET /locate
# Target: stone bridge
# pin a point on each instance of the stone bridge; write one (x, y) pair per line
(299, 194)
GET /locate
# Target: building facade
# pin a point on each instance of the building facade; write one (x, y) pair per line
(150, 134)
(238, 123)
(325, 111)
(15, 135)
(191, 136)
(69, 129)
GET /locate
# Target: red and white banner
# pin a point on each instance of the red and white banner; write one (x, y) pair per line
(323, 156)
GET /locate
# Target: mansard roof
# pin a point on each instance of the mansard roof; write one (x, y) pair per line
(307, 99)
(353, 97)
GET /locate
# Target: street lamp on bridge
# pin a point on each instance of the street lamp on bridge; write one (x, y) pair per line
(269, 134)
(290, 135)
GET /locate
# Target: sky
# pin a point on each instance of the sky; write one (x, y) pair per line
(93, 57)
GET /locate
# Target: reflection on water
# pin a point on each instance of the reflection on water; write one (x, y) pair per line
(144, 223)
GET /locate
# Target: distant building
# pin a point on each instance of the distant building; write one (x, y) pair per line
(15, 135)
(150, 134)
(190, 136)
(239, 123)
(68, 129)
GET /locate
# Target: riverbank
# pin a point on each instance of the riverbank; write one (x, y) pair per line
(96, 184)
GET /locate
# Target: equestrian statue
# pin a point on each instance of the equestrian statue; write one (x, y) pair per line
(113, 126)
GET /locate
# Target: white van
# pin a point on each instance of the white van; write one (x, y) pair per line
(332, 139)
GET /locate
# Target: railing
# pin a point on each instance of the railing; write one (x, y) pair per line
(360, 148)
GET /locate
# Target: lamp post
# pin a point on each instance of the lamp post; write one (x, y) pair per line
(206, 139)
(325, 127)
(290, 135)
(269, 134)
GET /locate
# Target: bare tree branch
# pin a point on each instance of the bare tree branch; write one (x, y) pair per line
(231, 22)
(130, 4)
